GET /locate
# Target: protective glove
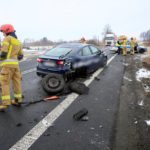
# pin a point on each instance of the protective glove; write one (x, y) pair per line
(20, 57)
(3, 55)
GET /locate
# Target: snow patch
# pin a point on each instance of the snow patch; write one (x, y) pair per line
(126, 78)
(147, 122)
(141, 103)
(125, 64)
(142, 73)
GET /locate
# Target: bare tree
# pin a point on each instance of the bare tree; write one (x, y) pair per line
(107, 29)
(145, 36)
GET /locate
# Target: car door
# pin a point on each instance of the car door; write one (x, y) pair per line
(88, 59)
(97, 57)
(84, 58)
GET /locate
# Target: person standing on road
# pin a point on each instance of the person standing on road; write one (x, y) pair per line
(11, 52)
(82, 40)
(132, 45)
(118, 45)
(124, 46)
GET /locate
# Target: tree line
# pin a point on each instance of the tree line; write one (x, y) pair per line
(46, 42)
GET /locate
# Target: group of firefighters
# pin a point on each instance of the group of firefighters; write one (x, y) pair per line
(122, 45)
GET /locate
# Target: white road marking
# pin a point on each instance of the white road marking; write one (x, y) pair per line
(28, 139)
(28, 71)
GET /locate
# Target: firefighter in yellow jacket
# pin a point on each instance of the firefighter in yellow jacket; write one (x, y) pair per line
(124, 46)
(82, 40)
(132, 45)
(11, 52)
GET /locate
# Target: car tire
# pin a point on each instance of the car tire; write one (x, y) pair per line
(141, 50)
(78, 87)
(53, 83)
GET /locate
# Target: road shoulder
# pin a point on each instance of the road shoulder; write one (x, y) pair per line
(132, 132)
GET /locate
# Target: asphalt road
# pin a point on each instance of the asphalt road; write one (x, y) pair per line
(64, 133)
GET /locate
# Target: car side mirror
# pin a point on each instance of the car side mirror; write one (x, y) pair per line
(99, 52)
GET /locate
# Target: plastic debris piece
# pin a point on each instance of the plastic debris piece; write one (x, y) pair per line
(35, 120)
(18, 124)
(97, 78)
(47, 134)
(79, 115)
(51, 98)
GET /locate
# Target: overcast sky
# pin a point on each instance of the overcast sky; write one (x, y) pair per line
(72, 19)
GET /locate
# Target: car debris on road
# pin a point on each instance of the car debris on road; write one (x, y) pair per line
(80, 114)
(79, 88)
(42, 100)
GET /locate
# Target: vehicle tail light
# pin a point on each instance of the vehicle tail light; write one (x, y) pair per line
(60, 62)
(39, 60)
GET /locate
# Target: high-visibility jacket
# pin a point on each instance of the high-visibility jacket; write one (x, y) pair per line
(13, 48)
(118, 45)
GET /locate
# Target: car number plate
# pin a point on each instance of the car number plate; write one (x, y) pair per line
(49, 64)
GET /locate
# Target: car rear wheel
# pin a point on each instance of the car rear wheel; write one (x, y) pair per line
(53, 83)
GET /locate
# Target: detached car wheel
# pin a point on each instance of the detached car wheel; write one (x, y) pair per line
(53, 83)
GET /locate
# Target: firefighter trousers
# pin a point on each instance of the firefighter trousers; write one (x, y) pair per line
(10, 75)
(132, 51)
(124, 51)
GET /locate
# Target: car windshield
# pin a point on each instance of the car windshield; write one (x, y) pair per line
(58, 51)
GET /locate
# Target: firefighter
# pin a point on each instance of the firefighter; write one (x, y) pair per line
(11, 52)
(82, 40)
(124, 46)
(132, 45)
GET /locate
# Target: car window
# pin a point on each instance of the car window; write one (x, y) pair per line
(86, 51)
(94, 49)
(80, 53)
(58, 51)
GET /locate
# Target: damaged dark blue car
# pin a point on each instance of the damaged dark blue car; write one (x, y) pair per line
(67, 61)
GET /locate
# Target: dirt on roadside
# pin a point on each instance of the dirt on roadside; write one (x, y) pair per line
(132, 130)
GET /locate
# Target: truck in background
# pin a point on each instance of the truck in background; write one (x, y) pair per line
(110, 39)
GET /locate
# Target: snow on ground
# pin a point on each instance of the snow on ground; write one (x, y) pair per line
(33, 52)
(141, 103)
(142, 73)
(147, 122)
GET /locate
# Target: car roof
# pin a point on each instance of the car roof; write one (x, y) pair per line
(73, 45)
